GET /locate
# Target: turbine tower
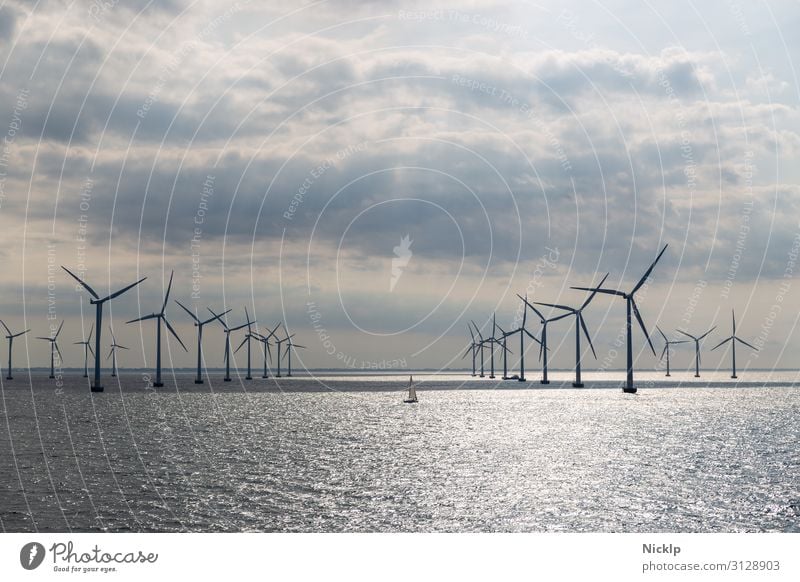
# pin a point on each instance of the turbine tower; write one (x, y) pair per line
(247, 338)
(630, 305)
(471, 348)
(199, 325)
(86, 349)
(279, 342)
(228, 331)
(53, 350)
(667, 343)
(733, 339)
(543, 343)
(113, 354)
(697, 341)
(159, 317)
(580, 324)
(10, 337)
(98, 303)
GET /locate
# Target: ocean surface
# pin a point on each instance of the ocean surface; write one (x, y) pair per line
(343, 453)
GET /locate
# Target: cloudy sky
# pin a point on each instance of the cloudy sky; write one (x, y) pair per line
(276, 154)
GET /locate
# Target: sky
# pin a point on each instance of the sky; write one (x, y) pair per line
(377, 174)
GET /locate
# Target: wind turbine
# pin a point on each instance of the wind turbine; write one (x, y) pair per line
(289, 346)
(264, 339)
(228, 331)
(522, 331)
(86, 349)
(506, 351)
(579, 324)
(697, 341)
(630, 305)
(279, 342)
(159, 317)
(10, 337)
(733, 339)
(53, 350)
(480, 345)
(199, 325)
(247, 338)
(95, 300)
(668, 343)
(542, 344)
(113, 354)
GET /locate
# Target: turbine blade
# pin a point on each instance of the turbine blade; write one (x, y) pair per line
(477, 331)
(173, 332)
(166, 297)
(238, 327)
(662, 335)
(664, 351)
(59, 329)
(5, 326)
(91, 351)
(526, 302)
(109, 354)
(558, 317)
(85, 285)
(244, 341)
(533, 337)
(299, 346)
(591, 296)
(121, 347)
(469, 349)
(686, 334)
(143, 318)
(571, 309)
(60, 357)
(586, 333)
(708, 332)
(192, 315)
(121, 291)
(726, 340)
(598, 290)
(745, 343)
(641, 324)
(650, 270)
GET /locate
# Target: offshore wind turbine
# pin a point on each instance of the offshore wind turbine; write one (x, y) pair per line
(543, 343)
(159, 317)
(53, 349)
(199, 325)
(289, 346)
(247, 338)
(113, 354)
(733, 339)
(493, 341)
(471, 348)
(86, 349)
(522, 331)
(580, 324)
(279, 342)
(10, 337)
(228, 331)
(506, 351)
(697, 341)
(98, 303)
(481, 346)
(264, 339)
(667, 343)
(630, 305)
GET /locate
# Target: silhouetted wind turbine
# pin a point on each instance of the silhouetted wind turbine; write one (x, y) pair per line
(247, 338)
(522, 331)
(86, 349)
(697, 341)
(53, 350)
(159, 317)
(481, 345)
(506, 351)
(580, 324)
(733, 339)
(543, 343)
(667, 343)
(10, 337)
(264, 339)
(279, 342)
(289, 346)
(113, 354)
(228, 331)
(630, 305)
(95, 300)
(199, 325)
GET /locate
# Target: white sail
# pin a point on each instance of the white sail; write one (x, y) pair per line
(412, 392)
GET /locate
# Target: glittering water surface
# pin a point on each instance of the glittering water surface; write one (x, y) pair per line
(302, 457)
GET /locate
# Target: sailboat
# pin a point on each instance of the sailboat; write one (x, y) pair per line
(412, 392)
